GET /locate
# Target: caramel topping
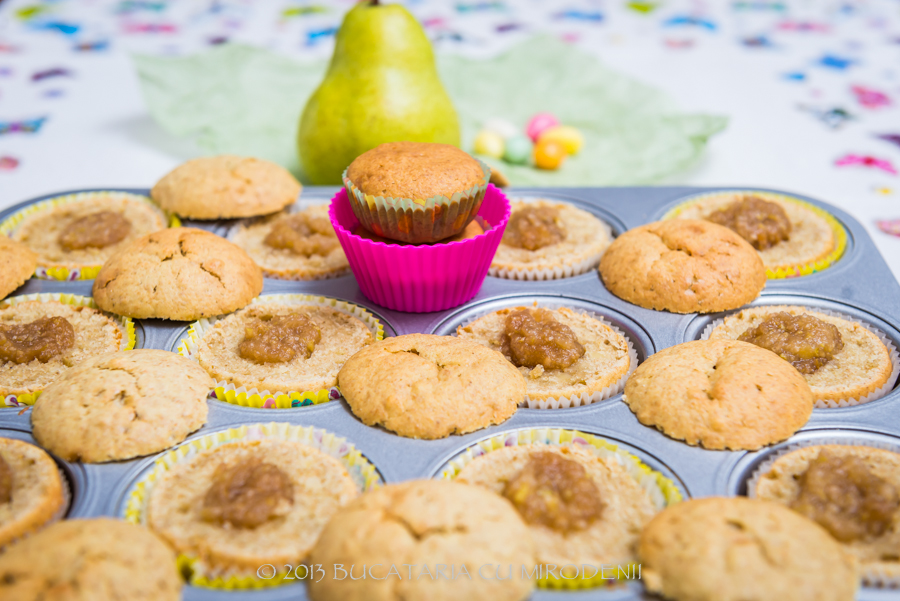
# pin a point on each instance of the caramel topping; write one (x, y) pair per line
(533, 337)
(844, 496)
(6, 481)
(97, 230)
(302, 234)
(807, 342)
(247, 494)
(533, 227)
(556, 492)
(278, 339)
(760, 222)
(42, 339)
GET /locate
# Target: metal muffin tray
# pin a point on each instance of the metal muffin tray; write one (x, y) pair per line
(859, 284)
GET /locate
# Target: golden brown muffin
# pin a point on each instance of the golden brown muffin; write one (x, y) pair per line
(683, 266)
(721, 394)
(860, 367)
(17, 263)
(783, 482)
(244, 504)
(32, 492)
(92, 333)
(121, 405)
(605, 361)
(225, 187)
(423, 524)
(180, 273)
(470, 231)
(416, 170)
(426, 386)
(738, 549)
(100, 559)
(608, 535)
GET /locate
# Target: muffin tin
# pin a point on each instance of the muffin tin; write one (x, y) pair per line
(859, 284)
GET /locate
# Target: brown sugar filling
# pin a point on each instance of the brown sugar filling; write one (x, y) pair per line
(247, 494)
(532, 228)
(41, 339)
(534, 337)
(302, 234)
(556, 492)
(6, 481)
(761, 223)
(807, 342)
(97, 230)
(278, 339)
(844, 496)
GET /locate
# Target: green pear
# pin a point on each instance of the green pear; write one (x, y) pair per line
(381, 86)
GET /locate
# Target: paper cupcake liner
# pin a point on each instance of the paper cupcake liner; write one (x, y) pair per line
(64, 272)
(870, 577)
(851, 401)
(421, 278)
(586, 398)
(661, 490)
(791, 271)
(265, 399)
(415, 220)
(361, 471)
(126, 326)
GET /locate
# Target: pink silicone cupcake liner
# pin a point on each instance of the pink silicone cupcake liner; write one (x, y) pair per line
(423, 278)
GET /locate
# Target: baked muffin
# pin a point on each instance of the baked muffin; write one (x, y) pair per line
(850, 490)
(41, 339)
(294, 246)
(470, 231)
(181, 274)
(841, 359)
(32, 492)
(244, 504)
(225, 187)
(568, 358)
(581, 509)
(721, 394)
(121, 405)
(718, 549)
(281, 347)
(683, 266)
(546, 240)
(100, 559)
(17, 263)
(81, 232)
(424, 523)
(792, 237)
(415, 191)
(426, 386)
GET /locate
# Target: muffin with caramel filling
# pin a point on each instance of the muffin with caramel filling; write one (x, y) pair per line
(546, 240)
(841, 359)
(294, 246)
(568, 358)
(852, 491)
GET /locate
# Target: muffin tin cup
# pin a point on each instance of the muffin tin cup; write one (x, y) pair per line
(416, 220)
(265, 399)
(661, 490)
(360, 469)
(69, 272)
(585, 398)
(125, 324)
(424, 278)
(790, 271)
(876, 394)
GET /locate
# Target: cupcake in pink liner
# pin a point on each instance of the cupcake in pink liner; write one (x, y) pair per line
(426, 277)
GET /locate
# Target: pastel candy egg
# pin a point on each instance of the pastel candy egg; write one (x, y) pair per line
(489, 144)
(567, 135)
(502, 127)
(539, 123)
(549, 154)
(518, 149)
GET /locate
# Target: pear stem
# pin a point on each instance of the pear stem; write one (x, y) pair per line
(373, 2)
